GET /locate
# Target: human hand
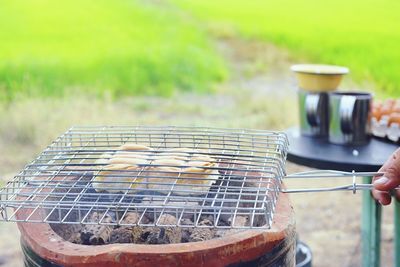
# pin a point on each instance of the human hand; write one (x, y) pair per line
(389, 181)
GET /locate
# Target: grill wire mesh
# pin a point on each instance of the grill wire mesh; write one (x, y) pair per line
(67, 182)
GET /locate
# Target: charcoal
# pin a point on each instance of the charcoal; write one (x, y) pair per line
(202, 234)
(96, 234)
(133, 218)
(190, 206)
(156, 236)
(239, 221)
(186, 235)
(121, 235)
(206, 222)
(138, 236)
(173, 234)
(186, 232)
(69, 232)
(125, 234)
(160, 234)
(187, 222)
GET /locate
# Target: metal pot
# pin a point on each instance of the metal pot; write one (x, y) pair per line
(349, 122)
(313, 109)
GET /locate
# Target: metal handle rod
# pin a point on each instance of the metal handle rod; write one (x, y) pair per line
(350, 187)
(333, 174)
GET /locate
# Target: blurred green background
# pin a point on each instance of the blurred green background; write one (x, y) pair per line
(127, 47)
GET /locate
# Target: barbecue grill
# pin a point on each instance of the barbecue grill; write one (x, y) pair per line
(244, 181)
(238, 186)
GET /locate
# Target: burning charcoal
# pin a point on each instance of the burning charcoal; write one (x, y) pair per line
(148, 235)
(75, 236)
(206, 222)
(156, 235)
(69, 232)
(131, 218)
(239, 221)
(186, 221)
(121, 235)
(202, 234)
(186, 232)
(128, 234)
(190, 206)
(186, 235)
(259, 220)
(173, 234)
(137, 232)
(160, 234)
(223, 220)
(167, 219)
(96, 234)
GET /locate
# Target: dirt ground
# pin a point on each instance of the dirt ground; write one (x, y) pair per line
(261, 93)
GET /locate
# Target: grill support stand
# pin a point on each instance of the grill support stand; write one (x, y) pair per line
(370, 229)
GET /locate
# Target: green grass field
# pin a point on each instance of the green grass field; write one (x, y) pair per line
(119, 47)
(157, 47)
(361, 34)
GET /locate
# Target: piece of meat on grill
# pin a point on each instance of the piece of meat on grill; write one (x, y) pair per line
(136, 168)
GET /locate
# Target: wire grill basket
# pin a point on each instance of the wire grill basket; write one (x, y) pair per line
(232, 176)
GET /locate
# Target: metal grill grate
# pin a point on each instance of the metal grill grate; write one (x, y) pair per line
(231, 176)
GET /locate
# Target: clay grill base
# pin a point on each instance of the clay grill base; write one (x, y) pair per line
(272, 247)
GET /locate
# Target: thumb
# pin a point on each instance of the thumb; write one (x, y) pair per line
(390, 180)
(387, 182)
(391, 170)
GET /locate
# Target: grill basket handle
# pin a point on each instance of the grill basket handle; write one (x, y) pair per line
(333, 174)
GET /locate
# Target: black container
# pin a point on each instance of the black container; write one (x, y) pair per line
(303, 255)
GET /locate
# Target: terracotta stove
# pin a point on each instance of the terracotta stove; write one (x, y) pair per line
(272, 247)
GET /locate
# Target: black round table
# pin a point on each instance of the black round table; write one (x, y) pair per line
(319, 153)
